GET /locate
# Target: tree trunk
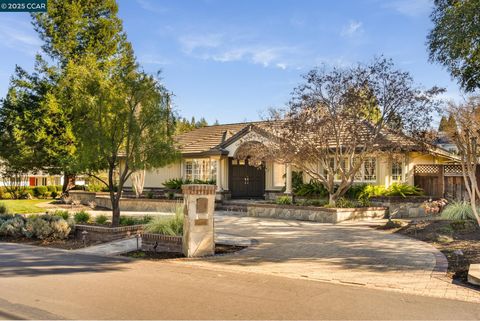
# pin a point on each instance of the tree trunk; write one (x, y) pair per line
(68, 182)
(116, 211)
(332, 200)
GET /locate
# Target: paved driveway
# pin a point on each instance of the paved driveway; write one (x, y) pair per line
(346, 254)
(54, 284)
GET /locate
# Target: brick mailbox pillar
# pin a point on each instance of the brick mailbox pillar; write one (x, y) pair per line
(198, 230)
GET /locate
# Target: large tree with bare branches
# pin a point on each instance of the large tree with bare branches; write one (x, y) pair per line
(466, 134)
(339, 117)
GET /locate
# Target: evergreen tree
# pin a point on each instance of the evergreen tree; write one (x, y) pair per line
(443, 124)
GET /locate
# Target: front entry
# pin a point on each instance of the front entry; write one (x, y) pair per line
(246, 181)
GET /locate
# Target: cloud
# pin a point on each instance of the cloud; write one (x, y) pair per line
(410, 8)
(19, 36)
(151, 6)
(223, 48)
(190, 43)
(353, 28)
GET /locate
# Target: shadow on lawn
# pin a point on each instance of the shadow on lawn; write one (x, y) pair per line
(21, 260)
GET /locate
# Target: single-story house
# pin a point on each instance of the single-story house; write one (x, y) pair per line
(209, 153)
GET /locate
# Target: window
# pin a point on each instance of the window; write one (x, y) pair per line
(201, 169)
(397, 171)
(370, 169)
(367, 172)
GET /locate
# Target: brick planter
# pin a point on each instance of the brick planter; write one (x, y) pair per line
(315, 214)
(105, 234)
(161, 243)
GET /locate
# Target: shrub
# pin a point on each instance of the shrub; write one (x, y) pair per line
(3, 208)
(172, 225)
(284, 200)
(52, 188)
(82, 217)
(371, 191)
(176, 183)
(62, 213)
(13, 226)
(150, 195)
(403, 190)
(26, 194)
(54, 194)
(60, 229)
(355, 191)
(132, 220)
(101, 219)
(313, 188)
(38, 227)
(458, 211)
(40, 191)
(343, 202)
(463, 226)
(47, 194)
(7, 196)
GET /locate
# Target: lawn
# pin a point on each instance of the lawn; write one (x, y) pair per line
(24, 206)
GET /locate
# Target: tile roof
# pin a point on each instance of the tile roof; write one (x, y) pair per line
(208, 138)
(212, 139)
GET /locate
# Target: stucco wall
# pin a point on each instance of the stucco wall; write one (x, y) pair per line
(156, 177)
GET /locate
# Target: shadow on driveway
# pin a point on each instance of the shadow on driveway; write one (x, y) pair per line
(25, 260)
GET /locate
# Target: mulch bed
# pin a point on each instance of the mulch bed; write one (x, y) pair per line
(220, 249)
(68, 244)
(450, 242)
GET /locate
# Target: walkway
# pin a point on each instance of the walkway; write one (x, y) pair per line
(345, 254)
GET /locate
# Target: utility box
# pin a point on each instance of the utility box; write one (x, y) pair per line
(198, 225)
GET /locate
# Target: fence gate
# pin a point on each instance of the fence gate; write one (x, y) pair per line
(442, 181)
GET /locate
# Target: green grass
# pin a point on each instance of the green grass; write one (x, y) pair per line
(24, 206)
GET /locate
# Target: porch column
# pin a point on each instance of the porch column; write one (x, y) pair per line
(219, 175)
(288, 177)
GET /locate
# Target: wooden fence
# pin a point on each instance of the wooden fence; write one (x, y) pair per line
(442, 181)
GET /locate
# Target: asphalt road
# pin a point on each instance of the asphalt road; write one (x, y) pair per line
(50, 284)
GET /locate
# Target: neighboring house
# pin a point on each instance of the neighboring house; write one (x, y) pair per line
(210, 153)
(445, 142)
(34, 179)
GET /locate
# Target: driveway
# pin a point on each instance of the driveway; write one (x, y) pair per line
(54, 284)
(347, 254)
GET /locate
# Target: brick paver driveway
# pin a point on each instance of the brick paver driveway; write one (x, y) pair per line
(347, 254)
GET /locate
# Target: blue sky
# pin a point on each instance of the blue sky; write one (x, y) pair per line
(231, 60)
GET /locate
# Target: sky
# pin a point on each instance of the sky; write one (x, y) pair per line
(232, 60)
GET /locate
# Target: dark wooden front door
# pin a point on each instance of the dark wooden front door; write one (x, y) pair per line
(246, 181)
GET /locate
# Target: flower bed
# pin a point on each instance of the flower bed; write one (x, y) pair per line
(315, 214)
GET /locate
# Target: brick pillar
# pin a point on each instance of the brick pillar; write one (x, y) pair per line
(198, 229)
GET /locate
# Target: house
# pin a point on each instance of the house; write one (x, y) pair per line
(209, 153)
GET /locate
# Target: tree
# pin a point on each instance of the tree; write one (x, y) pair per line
(338, 118)
(466, 135)
(443, 124)
(182, 125)
(454, 40)
(124, 122)
(35, 133)
(70, 31)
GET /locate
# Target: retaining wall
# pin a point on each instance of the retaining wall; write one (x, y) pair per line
(315, 214)
(105, 234)
(102, 199)
(402, 207)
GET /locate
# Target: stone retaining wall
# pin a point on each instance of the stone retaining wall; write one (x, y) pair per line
(106, 234)
(315, 214)
(102, 199)
(402, 207)
(161, 243)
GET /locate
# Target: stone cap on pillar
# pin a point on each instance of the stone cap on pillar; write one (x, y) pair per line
(198, 189)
